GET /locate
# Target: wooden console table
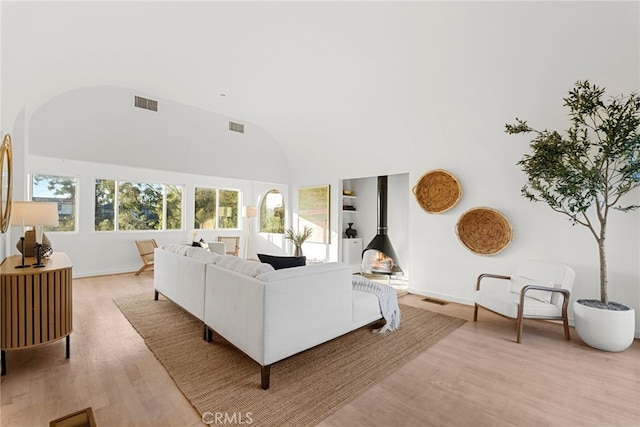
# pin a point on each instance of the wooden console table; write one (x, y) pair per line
(36, 303)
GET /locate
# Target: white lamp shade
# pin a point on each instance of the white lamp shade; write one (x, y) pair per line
(34, 213)
(249, 211)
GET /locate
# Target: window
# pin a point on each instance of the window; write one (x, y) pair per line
(61, 190)
(173, 197)
(140, 206)
(214, 208)
(105, 201)
(272, 213)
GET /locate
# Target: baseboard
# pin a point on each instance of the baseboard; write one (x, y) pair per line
(444, 297)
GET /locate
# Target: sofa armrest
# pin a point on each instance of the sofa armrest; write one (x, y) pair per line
(287, 312)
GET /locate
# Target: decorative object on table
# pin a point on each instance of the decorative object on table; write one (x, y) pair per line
(30, 244)
(6, 183)
(586, 171)
(298, 238)
(248, 212)
(36, 215)
(484, 231)
(350, 232)
(313, 211)
(437, 191)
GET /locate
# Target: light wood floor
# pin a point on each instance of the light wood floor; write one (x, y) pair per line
(476, 376)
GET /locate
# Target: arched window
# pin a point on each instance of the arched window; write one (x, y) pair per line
(272, 213)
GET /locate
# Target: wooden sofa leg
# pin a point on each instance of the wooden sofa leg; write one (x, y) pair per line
(155, 295)
(265, 374)
(207, 333)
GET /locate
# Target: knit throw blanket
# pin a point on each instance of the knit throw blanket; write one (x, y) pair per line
(386, 296)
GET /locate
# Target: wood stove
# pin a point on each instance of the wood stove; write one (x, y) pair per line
(379, 257)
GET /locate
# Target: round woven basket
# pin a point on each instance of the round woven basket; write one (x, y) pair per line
(437, 191)
(484, 231)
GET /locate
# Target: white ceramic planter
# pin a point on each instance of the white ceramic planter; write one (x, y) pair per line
(607, 330)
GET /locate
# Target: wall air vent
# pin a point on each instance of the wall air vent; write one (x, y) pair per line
(147, 104)
(236, 127)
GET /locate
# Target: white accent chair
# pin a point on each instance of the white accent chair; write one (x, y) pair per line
(538, 290)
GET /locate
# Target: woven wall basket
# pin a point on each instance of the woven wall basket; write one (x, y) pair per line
(484, 231)
(437, 191)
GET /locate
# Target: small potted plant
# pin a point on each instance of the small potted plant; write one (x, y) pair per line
(584, 174)
(298, 238)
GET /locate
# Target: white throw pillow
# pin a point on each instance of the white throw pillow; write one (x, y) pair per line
(205, 256)
(176, 248)
(239, 265)
(517, 283)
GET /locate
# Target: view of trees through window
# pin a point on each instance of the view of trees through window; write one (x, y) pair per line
(61, 190)
(215, 208)
(272, 213)
(140, 206)
(121, 205)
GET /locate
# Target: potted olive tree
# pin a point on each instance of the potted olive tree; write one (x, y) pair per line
(584, 174)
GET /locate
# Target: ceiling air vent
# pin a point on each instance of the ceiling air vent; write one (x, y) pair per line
(236, 127)
(147, 104)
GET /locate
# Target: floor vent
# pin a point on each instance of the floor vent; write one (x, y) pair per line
(147, 104)
(236, 127)
(435, 301)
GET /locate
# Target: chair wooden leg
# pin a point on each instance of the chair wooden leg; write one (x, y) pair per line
(475, 313)
(567, 335)
(143, 268)
(518, 330)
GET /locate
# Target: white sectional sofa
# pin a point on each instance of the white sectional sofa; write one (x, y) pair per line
(268, 314)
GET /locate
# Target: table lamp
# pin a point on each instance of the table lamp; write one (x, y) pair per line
(248, 212)
(35, 215)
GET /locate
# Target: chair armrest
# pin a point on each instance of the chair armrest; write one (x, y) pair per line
(490, 275)
(564, 292)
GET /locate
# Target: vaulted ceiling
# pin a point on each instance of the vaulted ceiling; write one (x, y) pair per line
(321, 74)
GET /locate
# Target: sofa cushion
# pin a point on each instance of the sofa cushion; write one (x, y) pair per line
(242, 266)
(279, 262)
(516, 284)
(204, 255)
(176, 248)
(300, 272)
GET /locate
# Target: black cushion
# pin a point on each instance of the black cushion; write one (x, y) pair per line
(201, 244)
(279, 262)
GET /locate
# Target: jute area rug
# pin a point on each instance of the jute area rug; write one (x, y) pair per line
(220, 380)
